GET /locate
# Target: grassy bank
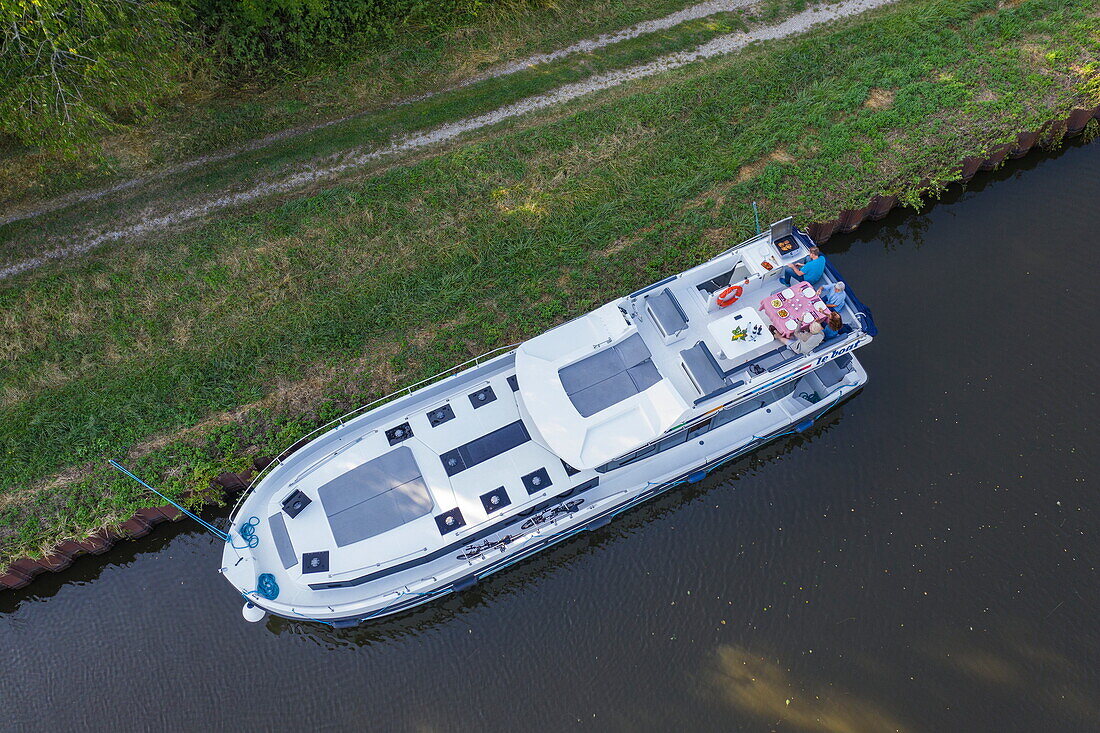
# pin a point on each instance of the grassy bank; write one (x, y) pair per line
(212, 113)
(363, 132)
(202, 348)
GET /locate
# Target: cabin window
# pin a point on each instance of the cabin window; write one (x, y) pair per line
(730, 414)
(698, 429)
(672, 440)
(669, 441)
(645, 452)
(637, 455)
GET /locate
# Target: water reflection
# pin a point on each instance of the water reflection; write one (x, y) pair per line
(1004, 669)
(1014, 665)
(761, 687)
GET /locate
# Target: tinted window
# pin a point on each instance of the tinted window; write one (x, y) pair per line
(698, 429)
(663, 444)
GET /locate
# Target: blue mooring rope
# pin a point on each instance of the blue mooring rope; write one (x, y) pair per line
(247, 532)
(224, 537)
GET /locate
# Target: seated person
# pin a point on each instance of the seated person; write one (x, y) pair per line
(833, 295)
(804, 341)
(834, 325)
(811, 270)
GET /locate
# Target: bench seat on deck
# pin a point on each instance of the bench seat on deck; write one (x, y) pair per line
(667, 313)
(703, 369)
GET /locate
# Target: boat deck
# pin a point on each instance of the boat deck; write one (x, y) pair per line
(677, 318)
(450, 461)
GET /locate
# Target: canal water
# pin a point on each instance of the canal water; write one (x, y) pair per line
(925, 558)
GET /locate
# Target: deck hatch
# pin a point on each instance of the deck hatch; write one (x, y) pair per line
(536, 481)
(487, 446)
(315, 562)
(495, 499)
(609, 376)
(439, 415)
(375, 497)
(295, 503)
(399, 433)
(483, 397)
(450, 521)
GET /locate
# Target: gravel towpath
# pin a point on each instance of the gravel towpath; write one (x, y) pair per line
(352, 159)
(701, 10)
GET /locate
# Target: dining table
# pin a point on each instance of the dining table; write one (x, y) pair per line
(741, 334)
(794, 307)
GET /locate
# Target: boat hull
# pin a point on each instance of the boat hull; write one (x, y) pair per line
(560, 519)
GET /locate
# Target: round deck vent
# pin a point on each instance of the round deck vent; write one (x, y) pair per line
(482, 397)
(537, 481)
(399, 433)
(495, 499)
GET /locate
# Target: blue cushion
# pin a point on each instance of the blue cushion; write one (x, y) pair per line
(666, 309)
(703, 368)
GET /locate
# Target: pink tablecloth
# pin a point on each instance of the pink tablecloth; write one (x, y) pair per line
(795, 306)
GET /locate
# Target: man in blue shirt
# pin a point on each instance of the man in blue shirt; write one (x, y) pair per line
(833, 295)
(811, 270)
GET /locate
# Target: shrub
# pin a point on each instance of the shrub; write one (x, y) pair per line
(248, 35)
(72, 67)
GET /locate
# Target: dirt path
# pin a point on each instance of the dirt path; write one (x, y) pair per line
(702, 10)
(356, 158)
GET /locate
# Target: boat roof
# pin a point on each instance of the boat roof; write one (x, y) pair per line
(400, 479)
(593, 389)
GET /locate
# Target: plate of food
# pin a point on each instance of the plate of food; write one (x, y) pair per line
(783, 313)
(776, 302)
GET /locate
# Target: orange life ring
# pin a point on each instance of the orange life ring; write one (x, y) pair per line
(730, 295)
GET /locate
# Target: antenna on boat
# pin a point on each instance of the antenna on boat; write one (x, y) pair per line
(217, 532)
(756, 216)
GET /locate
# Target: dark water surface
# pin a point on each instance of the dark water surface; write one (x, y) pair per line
(925, 558)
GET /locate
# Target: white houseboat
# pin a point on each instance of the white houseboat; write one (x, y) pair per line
(456, 478)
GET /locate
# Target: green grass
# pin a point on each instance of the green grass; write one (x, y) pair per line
(23, 238)
(333, 298)
(208, 115)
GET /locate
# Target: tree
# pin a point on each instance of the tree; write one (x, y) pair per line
(70, 68)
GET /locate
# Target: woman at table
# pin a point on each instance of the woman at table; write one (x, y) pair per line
(804, 341)
(833, 325)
